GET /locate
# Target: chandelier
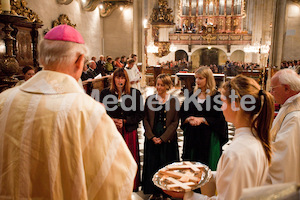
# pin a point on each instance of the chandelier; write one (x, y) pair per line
(257, 48)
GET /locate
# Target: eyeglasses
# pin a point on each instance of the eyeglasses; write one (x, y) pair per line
(272, 88)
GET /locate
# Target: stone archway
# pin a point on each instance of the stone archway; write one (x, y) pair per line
(181, 55)
(205, 56)
(209, 56)
(237, 56)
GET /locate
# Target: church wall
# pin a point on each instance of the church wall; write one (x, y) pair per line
(87, 23)
(291, 50)
(118, 33)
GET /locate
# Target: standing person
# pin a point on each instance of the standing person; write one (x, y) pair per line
(133, 74)
(100, 66)
(28, 72)
(137, 73)
(161, 147)
(124, 106)
(244, 163)
(56, 141)
(285, 166)
(205, 129)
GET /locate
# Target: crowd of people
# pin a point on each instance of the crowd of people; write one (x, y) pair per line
(106, 66)
(294, 65)
(56, 142)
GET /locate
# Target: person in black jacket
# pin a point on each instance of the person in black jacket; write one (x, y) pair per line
(100, 66)
(125, 106)
(203, 123)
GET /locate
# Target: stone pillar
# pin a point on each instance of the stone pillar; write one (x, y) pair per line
(278, 32)
(138, 29)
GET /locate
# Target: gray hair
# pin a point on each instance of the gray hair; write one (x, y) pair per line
(289, 77)
(53, 52)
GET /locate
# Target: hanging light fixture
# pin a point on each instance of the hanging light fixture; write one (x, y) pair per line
(152, 48)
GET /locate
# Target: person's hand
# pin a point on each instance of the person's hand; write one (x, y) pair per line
(178, 195)
(118, 122)
(196, 121)
(156, 140)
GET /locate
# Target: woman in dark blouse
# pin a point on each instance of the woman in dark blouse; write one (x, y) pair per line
(125, 106)
(160, 123)
(203, 123)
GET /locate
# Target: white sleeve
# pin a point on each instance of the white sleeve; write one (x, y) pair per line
(285, 165)
(229, 173)
(196, 196)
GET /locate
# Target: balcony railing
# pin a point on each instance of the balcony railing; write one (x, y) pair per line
(210, 39)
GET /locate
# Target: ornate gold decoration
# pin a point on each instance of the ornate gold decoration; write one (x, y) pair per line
(235, 37)
(18, 7)
(184, 37)
(209, 38)
(247, 37)
(8, 63)
(173, 37)
(155, 33)
(108, 8)
(196, 37)
(62, 19)
(108, 5)
(244, 9)
(162, 15)
(228, 21)
(223, 37)
(236, 22)
(163, 48)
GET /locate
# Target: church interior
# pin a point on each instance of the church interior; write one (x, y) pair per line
(255, 38)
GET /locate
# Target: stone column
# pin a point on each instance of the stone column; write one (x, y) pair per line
(138, 29)
(278, 32)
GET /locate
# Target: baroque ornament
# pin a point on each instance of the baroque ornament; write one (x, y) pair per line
(162, 15)
(163, 48)
(62, 19)
(209, 38)
(18, 7)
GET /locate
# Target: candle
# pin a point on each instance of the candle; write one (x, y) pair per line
(5, 5)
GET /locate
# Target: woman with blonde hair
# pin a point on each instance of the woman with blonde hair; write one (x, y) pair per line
(204, 126)
(123, 105)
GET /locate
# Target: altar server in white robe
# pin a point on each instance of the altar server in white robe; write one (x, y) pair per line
(134, 74)
(285, 166)
(244, 163)
(56, 142)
